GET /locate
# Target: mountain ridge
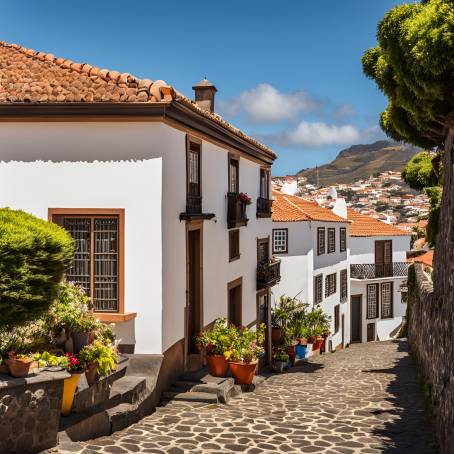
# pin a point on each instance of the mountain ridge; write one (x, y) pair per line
(361, 161)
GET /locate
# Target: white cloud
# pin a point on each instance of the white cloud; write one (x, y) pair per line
(343, 111)
(265, 104)
(318, 134)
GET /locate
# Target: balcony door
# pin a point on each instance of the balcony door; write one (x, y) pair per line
(383, 258)
(263, 251)
(355, 322)
(264, 184)
(193, 177)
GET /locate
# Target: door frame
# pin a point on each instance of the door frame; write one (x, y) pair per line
(193, 360)
(268, 346)
(374, 337)
(231, 285)
(360, 319)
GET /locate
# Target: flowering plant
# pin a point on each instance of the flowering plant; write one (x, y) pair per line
(101, 354)
(217, 340)
(71, 363)
(243, 197)
(248, 345)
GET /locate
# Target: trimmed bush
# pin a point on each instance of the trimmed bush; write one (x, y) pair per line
(34, 255)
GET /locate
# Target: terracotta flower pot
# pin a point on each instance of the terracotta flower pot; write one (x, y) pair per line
(302, 341)
(291, 353)
(276, 334)
(318, 343)
(19, 368)
(218, 366)
(80, 340)
(243, 372)
(91, 374)
(69, 389)
(311, 340)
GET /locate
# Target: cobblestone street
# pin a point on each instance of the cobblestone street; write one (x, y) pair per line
(364, 399)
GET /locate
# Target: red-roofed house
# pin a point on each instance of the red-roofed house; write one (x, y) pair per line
(311, 243)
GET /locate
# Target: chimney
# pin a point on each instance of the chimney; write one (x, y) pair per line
(204, 95)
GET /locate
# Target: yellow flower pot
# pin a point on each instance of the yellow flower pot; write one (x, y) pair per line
(69, 389)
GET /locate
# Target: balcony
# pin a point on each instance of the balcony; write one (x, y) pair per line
(268, 274)
(373, 271)
(194, 209)
(236, 210)
(264, 207)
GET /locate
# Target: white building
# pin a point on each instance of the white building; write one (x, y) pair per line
(148, 183)
(311, 243)
(378, 275)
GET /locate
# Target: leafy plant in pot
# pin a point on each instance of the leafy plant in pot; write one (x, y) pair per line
(280, 360)
(99, 359)
(19, 364)
(216, 342)
(246, 349)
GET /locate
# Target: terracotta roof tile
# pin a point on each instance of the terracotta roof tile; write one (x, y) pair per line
(426, 258)
(29, 76)
(288, 208)
(362, 225)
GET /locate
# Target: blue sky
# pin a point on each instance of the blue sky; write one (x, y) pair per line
(287, 72)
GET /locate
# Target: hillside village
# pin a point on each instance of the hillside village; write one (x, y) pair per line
(384, 196)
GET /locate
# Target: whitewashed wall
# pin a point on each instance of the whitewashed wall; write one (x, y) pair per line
(362, 249)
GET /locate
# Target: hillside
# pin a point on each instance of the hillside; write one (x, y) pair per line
(360, 161)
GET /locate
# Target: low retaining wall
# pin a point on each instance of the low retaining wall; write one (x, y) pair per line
(30, 412)
(431, 338)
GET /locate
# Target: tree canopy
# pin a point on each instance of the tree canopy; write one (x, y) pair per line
(419, 172)
(413, 65)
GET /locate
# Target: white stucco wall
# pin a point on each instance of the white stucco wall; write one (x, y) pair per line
(37, 186)
(362, 249)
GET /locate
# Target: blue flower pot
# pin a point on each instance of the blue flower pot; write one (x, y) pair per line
(301, 351)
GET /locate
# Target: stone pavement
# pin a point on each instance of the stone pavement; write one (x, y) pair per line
(364, 399)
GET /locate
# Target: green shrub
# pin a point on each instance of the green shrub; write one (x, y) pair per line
(419, 172)
(34, 255)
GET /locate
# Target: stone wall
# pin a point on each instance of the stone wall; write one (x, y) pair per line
(30, 412)
(430, 335)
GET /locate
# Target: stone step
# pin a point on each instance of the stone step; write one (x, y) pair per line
(130, 389)
(191, 396)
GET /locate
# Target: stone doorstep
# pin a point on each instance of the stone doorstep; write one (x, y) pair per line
(191, 396)
(130, 388)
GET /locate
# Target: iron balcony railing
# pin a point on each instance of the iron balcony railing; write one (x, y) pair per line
(268, 274)
(264, 207)
(193, 204)
(373, 271)
(236, 210)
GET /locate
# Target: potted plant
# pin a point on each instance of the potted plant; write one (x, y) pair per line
(280, 360)
(83, 331)
(244, 353)
(99, 359)
(216, 342)
(72, 364)
(244, 198)
(19, 364)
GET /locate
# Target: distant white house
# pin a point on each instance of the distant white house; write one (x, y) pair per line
(312, 244)
(378, 276)
(149, 183)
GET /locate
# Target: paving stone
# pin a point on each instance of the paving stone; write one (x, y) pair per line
(332, 404)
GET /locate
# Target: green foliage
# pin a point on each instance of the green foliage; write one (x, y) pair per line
(280, 355)
(219, 339)
(102, 354)
(413, 65)
(419, 172)
(22, 339)
(247, 345)
(34, 255)
(434, 195)
(317, 322)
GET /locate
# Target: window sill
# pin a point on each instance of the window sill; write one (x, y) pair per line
(234, 259)
(115, 317)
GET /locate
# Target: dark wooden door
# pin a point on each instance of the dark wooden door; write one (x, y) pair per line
(263, 316)
(356, 319)
(343, 330)
(194, 306)
(370, 332)
(235, 305)
(383, 258)
(263, 251)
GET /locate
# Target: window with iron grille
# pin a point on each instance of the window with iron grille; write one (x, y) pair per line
(387, 300)
(320, 240)
(330, 284)
(343, 284)
(280, 241)
(318, 289)
(95, 267)
(343, 239)
(234, 244)
(372, 301)
(336, 318)
(331, 240)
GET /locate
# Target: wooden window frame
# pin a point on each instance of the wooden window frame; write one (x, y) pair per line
(342, 239)
(330, 284)
(320, 250)
(318, 297)
(336, 318)
(191, 139)
(236, 158)
(231, 234)
(264, 240)
(331, 240)
(120, 315)
(343, 283)
(377, 301)
(286, 241)
(231, 285)
(391, 302)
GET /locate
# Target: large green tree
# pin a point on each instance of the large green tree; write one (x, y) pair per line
(413, 64)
